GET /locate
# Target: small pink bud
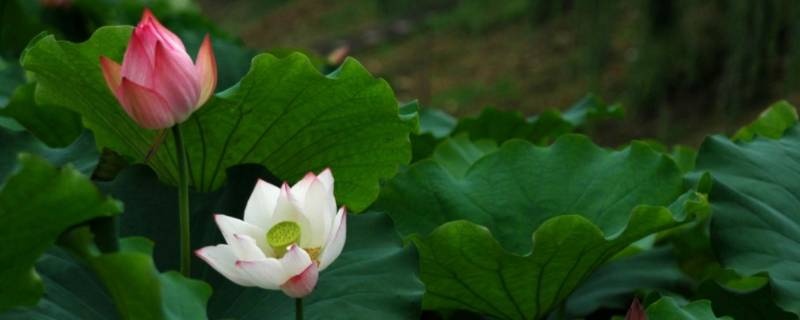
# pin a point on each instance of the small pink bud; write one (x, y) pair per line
(636, 311)
(157, 84)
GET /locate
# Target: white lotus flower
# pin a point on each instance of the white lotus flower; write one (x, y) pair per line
(288, 235)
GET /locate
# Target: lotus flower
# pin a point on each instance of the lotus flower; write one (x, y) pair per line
(158, 85)
(287, 237)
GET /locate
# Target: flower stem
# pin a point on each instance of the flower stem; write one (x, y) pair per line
(183, 200)
(298, 308)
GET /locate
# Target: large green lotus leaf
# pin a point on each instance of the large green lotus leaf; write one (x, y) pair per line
(55, 126)
(374, 278)
(582, 203)
(668, 308)
(82, 153)
(38, 203)
(465, 268)
(613, 285)
(283, 114)
(516, 188)
(120, 285)
(755, 227)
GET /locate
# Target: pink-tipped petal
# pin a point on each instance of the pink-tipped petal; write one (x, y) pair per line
(145, 106)
(230, 227)
(302, 284)
(137, 64)
(295, 261)
(111, 72)
(206, 69)
(175, 80)
(299, 271)
(261, 204)
(246, 248)
(300, 188)
(164, 34)
(267, 274)
(222, 259)
(326, 176)
(336, 240)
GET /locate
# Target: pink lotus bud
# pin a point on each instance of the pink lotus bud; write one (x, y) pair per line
(158, 85)
(636, 311)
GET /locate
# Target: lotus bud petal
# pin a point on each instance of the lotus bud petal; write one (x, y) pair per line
(157, 83)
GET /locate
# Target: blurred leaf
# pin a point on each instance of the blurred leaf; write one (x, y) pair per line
(306, 121)
(436, 122)
(667, 308)
(692, 248)
(123, 285)
(140, 292)
(592, 108)
(742, 304)
(81, 154)
(37, 203)
(55, 126)
(434, 125)
(19, 22)
(72, 291)
(756, 208)
(374, 278)
(496, 125)
(613, 285)
(770, 124)
(540, 129)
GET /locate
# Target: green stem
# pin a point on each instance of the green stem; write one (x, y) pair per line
(298, 308)
(183, 201)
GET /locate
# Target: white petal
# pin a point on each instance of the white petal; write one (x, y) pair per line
(261, 204)
(222, 259)
(326, 176)
(300, 188)
(294, 262)
(267, 273)
(335, 243)
(287, 210)
(320, 213)
(246, 248)
(230, 226)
